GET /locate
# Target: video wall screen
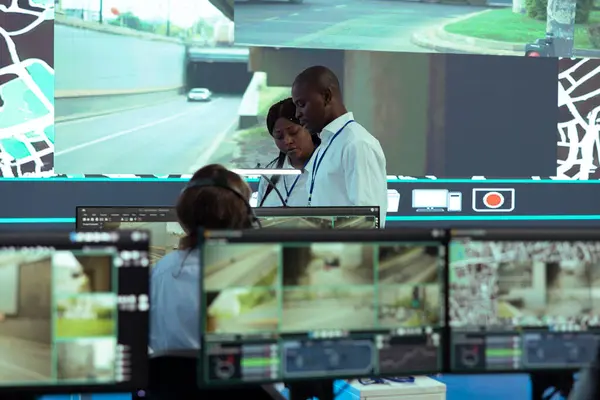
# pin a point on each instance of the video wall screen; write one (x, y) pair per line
(117, 110)
(465, 27)
(288, 304)
(73, 311)
(385, 92)
(523, 300)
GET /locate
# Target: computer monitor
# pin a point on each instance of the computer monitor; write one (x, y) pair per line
(166, 231)
(523, 300)
(299, 304)
(73, 312)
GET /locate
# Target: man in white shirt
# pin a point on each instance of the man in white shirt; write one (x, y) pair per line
(349, 167)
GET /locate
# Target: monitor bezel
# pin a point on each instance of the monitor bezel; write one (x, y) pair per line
(509, 234)
(63, 238)
(325, 236)
(261, 212)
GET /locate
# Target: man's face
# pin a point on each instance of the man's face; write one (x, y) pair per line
(310, 107)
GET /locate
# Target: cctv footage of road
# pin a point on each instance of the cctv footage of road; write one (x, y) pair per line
(408, 264)
(313, 308)
(295, 222)
(242, 311)
(227, 266)
(323, 286)
(25, 317)
(328, 264)
(523, 284)
(164, 236)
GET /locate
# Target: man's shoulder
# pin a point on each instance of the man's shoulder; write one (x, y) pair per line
(361, 138)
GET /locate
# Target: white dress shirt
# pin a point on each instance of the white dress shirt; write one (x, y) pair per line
(175, 302)
(352, 171)
(298, 196)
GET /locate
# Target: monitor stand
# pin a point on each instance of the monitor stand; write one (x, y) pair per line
(303, 390)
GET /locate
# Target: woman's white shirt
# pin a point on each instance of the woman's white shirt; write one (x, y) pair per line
(298, 197)
(175, 302)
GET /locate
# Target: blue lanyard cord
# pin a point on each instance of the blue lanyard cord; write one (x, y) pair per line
(288, 193)
(318, 161)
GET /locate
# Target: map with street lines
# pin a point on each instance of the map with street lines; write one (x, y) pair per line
(26, 87)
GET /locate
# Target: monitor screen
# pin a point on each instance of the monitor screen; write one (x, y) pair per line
(166, 231)
(301, 304)
(523, 300)
(73, 311)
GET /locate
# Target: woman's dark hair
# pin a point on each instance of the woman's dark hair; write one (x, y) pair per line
(212, 207)
(285, 109)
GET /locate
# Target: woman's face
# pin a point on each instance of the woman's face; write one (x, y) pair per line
(292, 139)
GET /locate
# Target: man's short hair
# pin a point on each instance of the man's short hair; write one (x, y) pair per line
(319, 77)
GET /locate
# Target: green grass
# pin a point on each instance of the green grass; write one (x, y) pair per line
(271, 95)
(255, 131)
(72, 328)
(505, 26)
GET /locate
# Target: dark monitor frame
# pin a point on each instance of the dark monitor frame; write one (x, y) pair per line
(513, 235)
(331, 236)
(260, 212)
(133, 280)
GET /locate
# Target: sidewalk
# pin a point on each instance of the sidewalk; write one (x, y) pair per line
(438, 39)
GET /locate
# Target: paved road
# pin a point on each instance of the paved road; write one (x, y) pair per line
(243, 270)
(294, 222)
(410, 268)
(379, 25)
(263, 318)
(24, 361)
(163, 139)
(327, 314)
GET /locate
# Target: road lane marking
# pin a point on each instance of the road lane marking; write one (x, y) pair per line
(125, 132)
(294, 15)
(271, 19)
(341, 6)
(214, 145)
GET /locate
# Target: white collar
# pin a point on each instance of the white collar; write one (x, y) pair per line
(334, 126)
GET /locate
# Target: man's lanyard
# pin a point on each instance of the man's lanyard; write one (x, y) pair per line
(318, 161)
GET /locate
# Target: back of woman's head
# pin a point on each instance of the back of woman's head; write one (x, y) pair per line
(213, 207)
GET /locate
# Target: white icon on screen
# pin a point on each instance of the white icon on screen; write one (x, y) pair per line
(454, 201)
(393, 200)
(436, 200)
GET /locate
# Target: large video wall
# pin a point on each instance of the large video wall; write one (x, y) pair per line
(96, 94)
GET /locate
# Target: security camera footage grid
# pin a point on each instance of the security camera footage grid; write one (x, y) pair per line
(305, 289)
(58, 318)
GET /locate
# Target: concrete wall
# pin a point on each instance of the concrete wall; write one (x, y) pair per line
(35, 300)
(388, 94)
(101, 68)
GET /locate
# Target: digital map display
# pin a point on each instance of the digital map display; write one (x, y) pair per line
(26, 87)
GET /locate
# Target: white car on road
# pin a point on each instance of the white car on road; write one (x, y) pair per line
(199, 94)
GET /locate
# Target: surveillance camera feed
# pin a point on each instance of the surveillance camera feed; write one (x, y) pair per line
(71, 315)
(523, 304)
(166, 232)
(321, 304)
